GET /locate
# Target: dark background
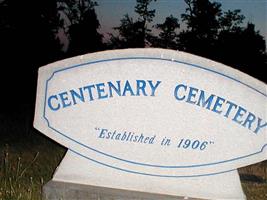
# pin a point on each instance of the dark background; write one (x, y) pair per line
(32, 32)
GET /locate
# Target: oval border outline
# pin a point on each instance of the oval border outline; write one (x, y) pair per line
(138, 163)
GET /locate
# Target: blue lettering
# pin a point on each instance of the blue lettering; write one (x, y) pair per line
(177, 90)
(192, 94)
(101, 91)
(260, 125)
(249, 120)
(51, 105)
(240, 112)
(102, 133)
(64, 98)
(75, 95)
(127, 88)
(116, 89)
(153, 87)
(218, 104)
(140, 86)
(231, 105)
(203, 101)
(108, 135)
(89, 89)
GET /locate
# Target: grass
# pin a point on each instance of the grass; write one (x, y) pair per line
(254, 181)
(26, 167)
(28, 161)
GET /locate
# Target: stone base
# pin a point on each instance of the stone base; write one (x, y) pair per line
(55, 190)
(79, 178)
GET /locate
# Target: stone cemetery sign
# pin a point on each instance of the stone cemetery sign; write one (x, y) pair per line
(154, 114)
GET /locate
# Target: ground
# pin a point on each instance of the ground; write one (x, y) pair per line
(27, 163)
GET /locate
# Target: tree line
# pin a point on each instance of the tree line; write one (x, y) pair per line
(210, 32)
(31, 35)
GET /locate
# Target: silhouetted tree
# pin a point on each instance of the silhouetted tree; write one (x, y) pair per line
(168, 35)
(81, 26)
(145, 16)
(134, 33)
(28, 40)
(30, 28)
(219, 35)
(231, 20)
(240, 47)
(202, 22)
(229, 37)
(129, 34)
(243, 48)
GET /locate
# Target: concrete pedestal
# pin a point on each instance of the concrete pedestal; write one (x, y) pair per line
(55, 190)
(78, 178)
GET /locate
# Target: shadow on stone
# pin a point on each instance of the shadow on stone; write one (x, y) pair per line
(55, 190)
(252, 178)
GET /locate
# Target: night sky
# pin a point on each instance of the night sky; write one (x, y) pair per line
(110, 12)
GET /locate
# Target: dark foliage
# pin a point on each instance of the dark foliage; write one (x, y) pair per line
(81, 26)
(168, 35)
(202, 22)
(28, 40)
(217, 35)
(134, 34)
(243, 48)
(130, 34)
(210, 32)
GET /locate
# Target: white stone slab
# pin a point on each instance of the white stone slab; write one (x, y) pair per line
(155, 114)
(221, 186)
